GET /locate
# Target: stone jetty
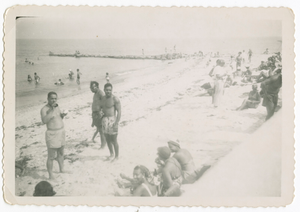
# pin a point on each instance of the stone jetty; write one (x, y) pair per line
(77, 54)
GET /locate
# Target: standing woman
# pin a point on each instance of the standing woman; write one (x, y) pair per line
(219, 78)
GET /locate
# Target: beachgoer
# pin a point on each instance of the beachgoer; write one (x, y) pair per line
(185, 160)
(253, 99)
(219, 74)
(111, 105)
(36, 78)
(238, 60)
(97, 112)
(29, 79)
(43, 188)
(171, 173)
(141, 184)
(78, 77)
(270, 89)
(107, 77)
(264, 74)
(55, 134)
(249, 55)
(243, 56)
(59, 82)
(71, 74)
(247, 75)
(267, 51)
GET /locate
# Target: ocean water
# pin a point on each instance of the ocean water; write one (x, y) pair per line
(50, 69)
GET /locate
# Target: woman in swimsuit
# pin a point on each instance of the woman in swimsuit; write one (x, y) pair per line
(140, 185)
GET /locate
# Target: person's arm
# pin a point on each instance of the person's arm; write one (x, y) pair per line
(166, 177)
(118, 109)
(47, 117)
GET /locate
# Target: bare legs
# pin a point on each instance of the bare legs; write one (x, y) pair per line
(113, 145)
(59, 158)
(102, 138)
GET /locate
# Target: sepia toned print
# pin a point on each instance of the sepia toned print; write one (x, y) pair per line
(112, 104)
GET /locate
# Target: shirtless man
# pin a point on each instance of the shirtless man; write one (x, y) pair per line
(171, 173)
(55, 134)
(270, 89)
(78, 76)
(111, 105)
(96, 110)
(185, 160)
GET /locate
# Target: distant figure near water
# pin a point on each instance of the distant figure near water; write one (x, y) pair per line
(59, 82)
(29, 79)
(55, 134)
(36, 78)
(249, 55)
(111, 106)
(78, 77)
(107, 77)
(71, 74)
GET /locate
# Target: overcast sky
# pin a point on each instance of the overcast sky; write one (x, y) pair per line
(161, 24)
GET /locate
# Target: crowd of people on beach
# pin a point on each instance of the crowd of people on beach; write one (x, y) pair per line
(268, 74)
(175, 166)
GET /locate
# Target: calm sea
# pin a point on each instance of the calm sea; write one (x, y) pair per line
(50, 69)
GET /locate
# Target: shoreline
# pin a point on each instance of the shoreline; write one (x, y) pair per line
(157, 105)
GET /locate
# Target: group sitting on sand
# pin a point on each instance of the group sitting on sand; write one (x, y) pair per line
(171, 173)
(268, 73)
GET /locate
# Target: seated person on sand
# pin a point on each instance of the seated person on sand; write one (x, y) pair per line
(247, 75)
(189, 172)
(59, 82)
(141, 184)
(252, 101)
(171, 173)
(185, 160)
(43, 188)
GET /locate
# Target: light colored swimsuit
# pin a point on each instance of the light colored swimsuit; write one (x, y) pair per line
(107, 125)
(55, 138)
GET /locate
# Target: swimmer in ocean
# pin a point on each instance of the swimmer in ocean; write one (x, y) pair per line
(78, 77)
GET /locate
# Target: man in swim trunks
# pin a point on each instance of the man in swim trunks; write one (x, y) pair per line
(270, 89)
(78, 76)
(111, 107)
(97, 113)
(55, 134)
(36, 78)
(185, 160)
(171, 173)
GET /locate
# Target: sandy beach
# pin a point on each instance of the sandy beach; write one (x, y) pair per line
(157, 105)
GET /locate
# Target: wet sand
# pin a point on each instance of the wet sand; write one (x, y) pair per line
(156, 106)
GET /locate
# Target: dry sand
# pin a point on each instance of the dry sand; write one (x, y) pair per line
(156, 106)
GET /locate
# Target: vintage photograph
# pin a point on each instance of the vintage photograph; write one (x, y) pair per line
(191, 104)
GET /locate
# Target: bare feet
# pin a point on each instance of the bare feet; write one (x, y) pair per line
(115, 159)
(109, 158)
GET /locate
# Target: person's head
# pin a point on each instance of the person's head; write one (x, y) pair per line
(77, 70)
(220, 62)
(140, 174)
(43, 188)
(108, 89)
(94, 86)
(52, 97)
(106, 73)
(163, 153)
(35, 73)
(174, 145)
(28, 75)
(254, 87)
(240, 53)
(59, 80)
